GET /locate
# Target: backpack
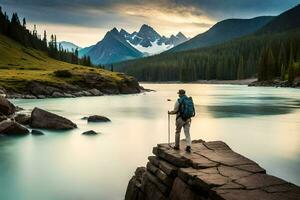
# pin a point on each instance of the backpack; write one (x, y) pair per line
(186, 107)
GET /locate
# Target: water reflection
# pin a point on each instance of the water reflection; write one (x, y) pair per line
(246, 110)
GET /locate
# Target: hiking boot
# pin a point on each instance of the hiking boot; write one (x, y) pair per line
(188, 149)
(176, 148)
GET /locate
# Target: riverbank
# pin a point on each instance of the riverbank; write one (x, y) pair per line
(223, 82)
(276, 83)
(230, 82)
(29, 73)
(212, 171)
(253, 82)
(91, 84)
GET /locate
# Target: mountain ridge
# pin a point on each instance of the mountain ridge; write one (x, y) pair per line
(223, 31)
(285, 21)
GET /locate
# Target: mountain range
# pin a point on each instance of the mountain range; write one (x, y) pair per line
(269, 50)
(121, 45)
(112, 48)
(118, 46)
(69, 46)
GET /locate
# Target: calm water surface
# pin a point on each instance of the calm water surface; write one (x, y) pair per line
(260, 123)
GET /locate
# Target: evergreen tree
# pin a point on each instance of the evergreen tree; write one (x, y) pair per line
(76, 56)
(291, 70)
(282, 74)
(241, 70)
(24, 23)
(271, 68)
(45, 40)
(291, 74)
(89, 63)
(262, 73)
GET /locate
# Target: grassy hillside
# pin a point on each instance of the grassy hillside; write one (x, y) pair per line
(20, 65)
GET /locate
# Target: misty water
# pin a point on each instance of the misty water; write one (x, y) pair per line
(260, 123)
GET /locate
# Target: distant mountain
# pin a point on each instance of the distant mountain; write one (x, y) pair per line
(69, 46)
(148, 41)
(286, 21)
(84, 51)
(224, 31)
(112, 48)
(121, 45)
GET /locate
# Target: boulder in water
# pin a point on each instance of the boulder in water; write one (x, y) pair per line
(23, 119)
(91, 132)
(6, 107)
(8, 127)
(47, 120)
(36, 132)
(98, 118)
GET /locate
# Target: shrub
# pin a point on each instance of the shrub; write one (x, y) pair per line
(63, 73)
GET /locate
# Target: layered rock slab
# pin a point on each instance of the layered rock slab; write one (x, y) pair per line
(212, 171)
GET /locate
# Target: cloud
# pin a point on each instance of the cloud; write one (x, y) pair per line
(167, 16)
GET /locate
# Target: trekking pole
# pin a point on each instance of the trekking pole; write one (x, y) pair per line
(169, 129)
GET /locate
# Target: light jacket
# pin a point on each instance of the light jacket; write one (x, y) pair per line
(177, 107)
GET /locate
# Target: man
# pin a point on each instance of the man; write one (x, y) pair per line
(184, 110)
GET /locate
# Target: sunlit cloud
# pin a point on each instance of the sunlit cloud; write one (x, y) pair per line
(169, 20)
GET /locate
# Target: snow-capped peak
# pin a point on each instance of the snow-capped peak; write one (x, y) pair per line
(148, 41)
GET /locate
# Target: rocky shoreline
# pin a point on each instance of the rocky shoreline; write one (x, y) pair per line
(212, 171)
(91, 84)
(15, 123)
(276, 83)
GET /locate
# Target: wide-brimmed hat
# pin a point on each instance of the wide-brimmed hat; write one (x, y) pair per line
(181, 91)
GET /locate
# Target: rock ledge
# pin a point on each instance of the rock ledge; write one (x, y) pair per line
(211, 172)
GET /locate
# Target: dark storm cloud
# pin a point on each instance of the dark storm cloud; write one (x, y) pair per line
(64, 12)
(79, 11)
(238, 8)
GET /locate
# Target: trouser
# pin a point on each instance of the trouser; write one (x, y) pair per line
(186, 127)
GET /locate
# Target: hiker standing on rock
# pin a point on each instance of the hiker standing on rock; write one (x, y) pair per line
(184, 110)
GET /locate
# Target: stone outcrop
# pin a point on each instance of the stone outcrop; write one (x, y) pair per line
(46, 120)
(89, 84)
(6, 107)
(212, 171)
(8, 127)
(23, 119)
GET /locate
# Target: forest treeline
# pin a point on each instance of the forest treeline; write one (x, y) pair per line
(17, 30)
(266, 56)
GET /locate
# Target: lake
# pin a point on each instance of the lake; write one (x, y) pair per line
(260, 123)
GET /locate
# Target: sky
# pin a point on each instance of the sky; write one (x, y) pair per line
(85, 22)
